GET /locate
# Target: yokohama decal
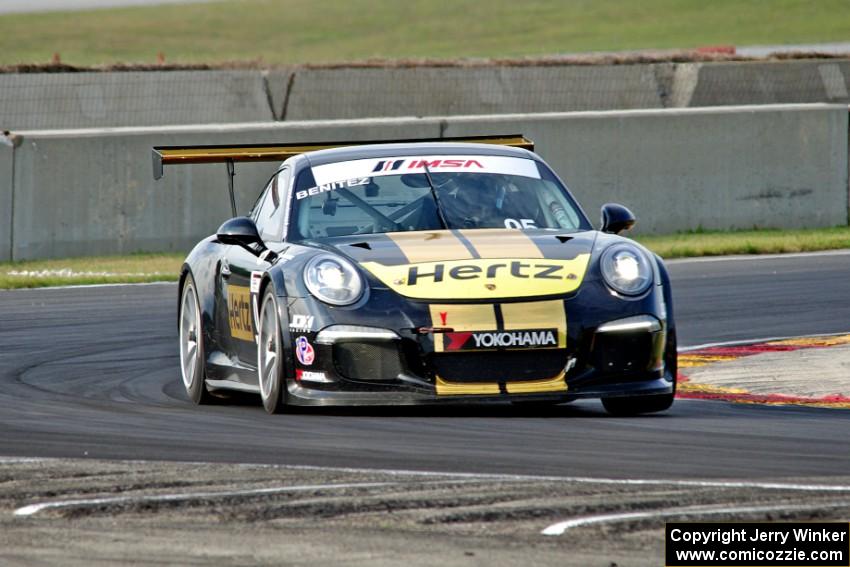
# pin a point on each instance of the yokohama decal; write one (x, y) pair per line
(489, 340)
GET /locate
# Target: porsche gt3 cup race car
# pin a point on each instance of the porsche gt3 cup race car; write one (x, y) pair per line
(413, 272)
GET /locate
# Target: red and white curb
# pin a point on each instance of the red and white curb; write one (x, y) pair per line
(712, 354)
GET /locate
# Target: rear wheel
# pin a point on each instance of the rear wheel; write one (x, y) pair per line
(192, 345)
(270, 356)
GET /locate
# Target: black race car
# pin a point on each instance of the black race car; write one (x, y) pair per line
(416, 272)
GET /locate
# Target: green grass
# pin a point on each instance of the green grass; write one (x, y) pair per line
(314, 31)
(709, 243)
(138, 268)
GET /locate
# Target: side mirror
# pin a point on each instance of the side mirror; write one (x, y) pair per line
(240, 231)
(616, 218)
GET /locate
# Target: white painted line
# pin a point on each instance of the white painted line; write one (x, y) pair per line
(36, 508)
(762, 340)
(561, 527)
(30, 6)
(588, 480)
(83, 286)
(69, 273)
(756, 257)
(454, 476)
(18, 460)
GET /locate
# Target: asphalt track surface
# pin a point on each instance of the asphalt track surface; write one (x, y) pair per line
(93, 372)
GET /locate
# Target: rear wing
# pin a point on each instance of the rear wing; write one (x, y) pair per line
(184, 155)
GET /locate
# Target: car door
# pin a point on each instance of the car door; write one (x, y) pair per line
(241, 279)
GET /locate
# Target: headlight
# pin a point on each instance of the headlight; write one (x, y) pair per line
(626, 269)
(333, 280)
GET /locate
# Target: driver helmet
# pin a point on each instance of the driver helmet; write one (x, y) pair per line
(477, 197)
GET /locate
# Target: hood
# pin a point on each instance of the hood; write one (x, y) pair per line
(472, 264)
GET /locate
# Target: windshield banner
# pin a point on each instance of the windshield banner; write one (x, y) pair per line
(375, 167)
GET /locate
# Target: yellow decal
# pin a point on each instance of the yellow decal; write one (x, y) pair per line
(239, 312)
(462, 318)
(537, 315)
(501, 243)
(430, 246)
(483, 279)
(556, 384)
(480, 388)
(516, 317)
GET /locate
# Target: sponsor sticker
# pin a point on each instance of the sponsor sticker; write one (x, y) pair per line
(256, 280)
(240, 312)
(490, 340)
(304, 351)
(347, 170)
(327, 187)
(309, 376)
(482, 278)
(302, 323)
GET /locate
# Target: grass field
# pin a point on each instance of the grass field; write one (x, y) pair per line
(313, 31)
(138, 268)
(135, 268)
(690, 244)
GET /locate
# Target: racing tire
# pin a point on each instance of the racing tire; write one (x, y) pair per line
(270, 360)
(191, 333)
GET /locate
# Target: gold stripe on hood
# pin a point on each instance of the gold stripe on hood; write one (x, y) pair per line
(421, 247)
(501, 243)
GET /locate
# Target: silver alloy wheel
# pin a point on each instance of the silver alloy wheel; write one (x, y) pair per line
(190, 335)
(268, 347)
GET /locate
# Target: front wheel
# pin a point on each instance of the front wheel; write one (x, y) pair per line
(192, 345)
(270, 356)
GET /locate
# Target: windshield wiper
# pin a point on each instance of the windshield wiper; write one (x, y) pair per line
(434, 194)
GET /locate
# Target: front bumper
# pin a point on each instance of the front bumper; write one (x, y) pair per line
(359, 365)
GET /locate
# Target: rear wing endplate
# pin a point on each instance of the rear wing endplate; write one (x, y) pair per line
(184, 155)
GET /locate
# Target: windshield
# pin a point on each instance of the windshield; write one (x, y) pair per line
(431, 193)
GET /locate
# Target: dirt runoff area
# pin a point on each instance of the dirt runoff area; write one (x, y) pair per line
(88, 512)
(811, 371)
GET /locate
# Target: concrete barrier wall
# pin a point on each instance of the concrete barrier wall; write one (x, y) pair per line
(434, 91)
(768, 83)
(81, 193)
(6, 182)
(92, 192)
(88, 100)
(731, 168)
(84, 100)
